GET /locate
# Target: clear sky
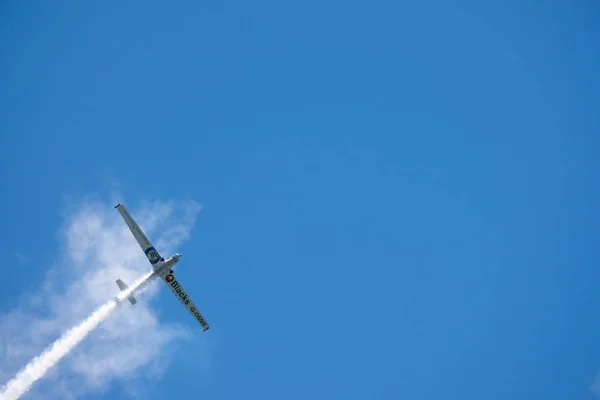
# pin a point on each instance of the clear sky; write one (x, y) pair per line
(374, 200)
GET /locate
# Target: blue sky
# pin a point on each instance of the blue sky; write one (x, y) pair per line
(399, 201)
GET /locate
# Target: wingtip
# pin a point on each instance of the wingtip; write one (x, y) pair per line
(120, 204)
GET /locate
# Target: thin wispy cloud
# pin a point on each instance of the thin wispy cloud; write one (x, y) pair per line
(22, 259)
(97, 248)
(595, 385)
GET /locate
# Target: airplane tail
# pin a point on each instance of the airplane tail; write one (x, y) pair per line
(123, 287)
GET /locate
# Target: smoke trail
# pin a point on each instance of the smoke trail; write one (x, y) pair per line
(38, 367)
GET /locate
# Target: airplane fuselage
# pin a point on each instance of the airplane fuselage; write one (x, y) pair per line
(165, 265)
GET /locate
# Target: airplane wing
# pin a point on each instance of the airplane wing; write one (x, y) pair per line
(139, 235)
(178, 290)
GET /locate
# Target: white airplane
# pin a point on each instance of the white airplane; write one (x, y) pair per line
(162, 268)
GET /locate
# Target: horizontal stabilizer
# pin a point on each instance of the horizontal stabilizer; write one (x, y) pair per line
(124, 287)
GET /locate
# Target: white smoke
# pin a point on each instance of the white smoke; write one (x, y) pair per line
(595, 385)
(98, 248)
(38, 367)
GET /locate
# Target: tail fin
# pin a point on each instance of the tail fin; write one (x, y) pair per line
(124, 287)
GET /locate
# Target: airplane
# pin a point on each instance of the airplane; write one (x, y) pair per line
(162, 268)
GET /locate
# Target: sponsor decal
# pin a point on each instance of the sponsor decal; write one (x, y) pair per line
(183, 298)
(180, 293)
(152, 255)
(169, 278)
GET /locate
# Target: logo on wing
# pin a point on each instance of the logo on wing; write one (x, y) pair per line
(152, 255)
(169, 278)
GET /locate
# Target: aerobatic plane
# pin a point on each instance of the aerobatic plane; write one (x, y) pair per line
(162, 268)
